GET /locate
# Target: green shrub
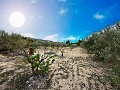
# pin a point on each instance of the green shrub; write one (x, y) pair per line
(68, 42)
(15, 41)
(106, 47)
(114, 76)
(40, 65)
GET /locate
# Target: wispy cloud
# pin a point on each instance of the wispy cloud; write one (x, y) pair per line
(109, 10)
(52, 37)
(62, 0)
(63, 11)
(71, 38)
(29, 35)
(98, 16)
(34, 1)
(106, 12)
(36, 17)
(39, 17)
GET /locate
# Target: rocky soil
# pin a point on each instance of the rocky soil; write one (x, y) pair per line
(75, 71)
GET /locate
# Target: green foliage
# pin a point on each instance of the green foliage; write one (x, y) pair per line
(68, 42)
(4, 40)
(79, 42)
(11, 41)
(40, 65)
(114, 76)
(106, 47)
(15, 41)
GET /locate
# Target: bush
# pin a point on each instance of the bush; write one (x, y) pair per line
(106, 47)
(15, 41)
(68, 42)
(114, 76)
(39, 65)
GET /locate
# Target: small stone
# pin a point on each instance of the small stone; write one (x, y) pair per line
(27, 81)
(31, 78)
(33, 81)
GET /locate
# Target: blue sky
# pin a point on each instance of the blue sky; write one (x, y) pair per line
(60, 20)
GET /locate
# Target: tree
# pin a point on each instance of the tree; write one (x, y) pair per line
(79, 42)
(68, 42)
(4, 40)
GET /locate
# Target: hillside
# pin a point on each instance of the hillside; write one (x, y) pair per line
(106, 47)
(15, 41)
(93, 66)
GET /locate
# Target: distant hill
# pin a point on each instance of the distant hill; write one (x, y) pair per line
(15, 41)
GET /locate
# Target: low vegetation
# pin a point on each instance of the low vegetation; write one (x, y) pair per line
(39, 65)
(106, 47)
(14, 41)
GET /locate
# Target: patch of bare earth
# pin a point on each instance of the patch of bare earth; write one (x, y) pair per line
(76, 71)
(11, 70)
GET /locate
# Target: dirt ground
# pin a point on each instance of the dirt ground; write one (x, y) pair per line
(74, 71)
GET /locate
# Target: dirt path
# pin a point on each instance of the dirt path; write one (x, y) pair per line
(76, 71)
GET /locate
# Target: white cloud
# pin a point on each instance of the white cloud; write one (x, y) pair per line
(39, 17)
(34, 1)
(71, 38)
(52, 37)
(36, 17)
(99, 16)
(29, 35)
(62, 0)
(63, 11)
